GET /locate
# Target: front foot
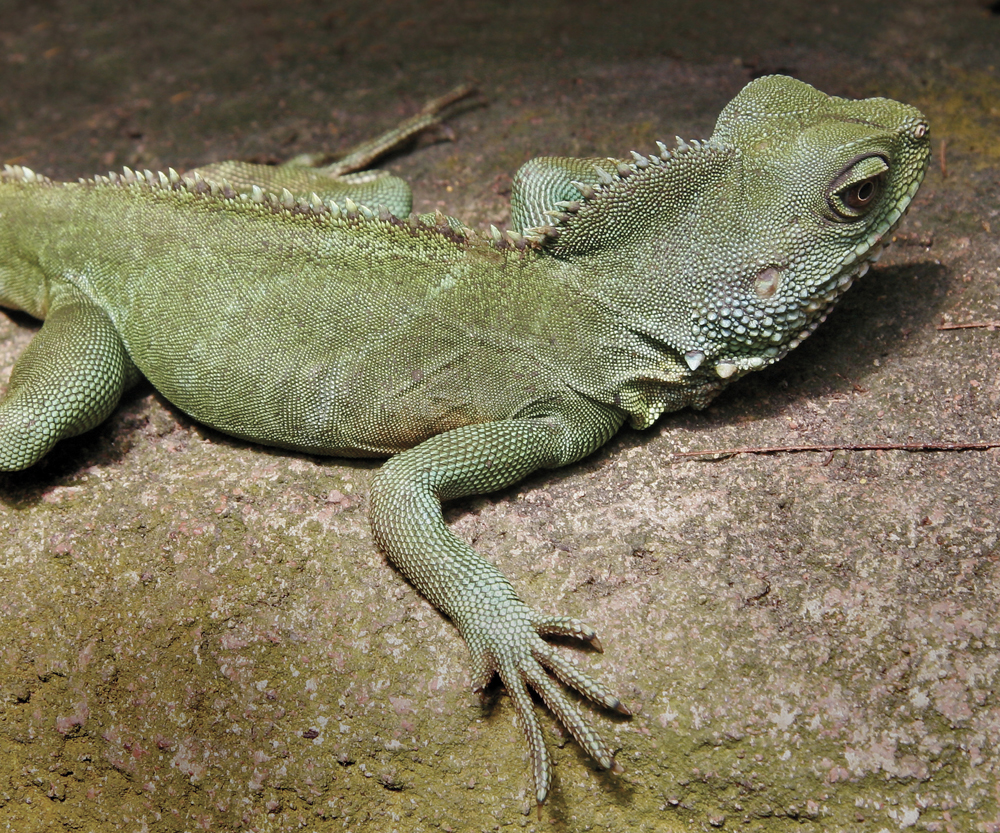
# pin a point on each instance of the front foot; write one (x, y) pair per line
(509, 643)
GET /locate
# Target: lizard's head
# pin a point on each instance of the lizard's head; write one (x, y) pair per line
(817, 186)
(741, 244)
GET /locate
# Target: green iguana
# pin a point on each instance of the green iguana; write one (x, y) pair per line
(297, 308)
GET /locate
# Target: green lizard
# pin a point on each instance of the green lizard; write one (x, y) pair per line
(297, 308)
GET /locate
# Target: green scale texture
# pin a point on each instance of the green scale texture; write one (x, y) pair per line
(296, 306)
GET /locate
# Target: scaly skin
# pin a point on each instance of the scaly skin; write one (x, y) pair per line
(269, 304)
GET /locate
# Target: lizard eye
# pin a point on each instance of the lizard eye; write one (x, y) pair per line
(857, 188)
(859, 195)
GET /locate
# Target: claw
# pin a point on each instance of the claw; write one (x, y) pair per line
(537, 669)
(569, 675)
(541, 762)
(567, 626)
(523, 659)
(570, 717)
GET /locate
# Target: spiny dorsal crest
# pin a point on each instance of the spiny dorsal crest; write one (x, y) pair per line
(19, 173)
(510, 240)
(344, 213)
(587, 224)
(339, 213)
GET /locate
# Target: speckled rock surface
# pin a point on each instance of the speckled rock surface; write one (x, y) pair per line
(198, 634)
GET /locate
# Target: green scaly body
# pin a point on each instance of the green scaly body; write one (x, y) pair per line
(269, 304)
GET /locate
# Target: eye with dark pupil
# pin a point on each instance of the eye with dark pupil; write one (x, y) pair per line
(861, 193)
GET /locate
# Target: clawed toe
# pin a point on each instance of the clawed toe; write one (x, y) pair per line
(567, 626)
(541, 671)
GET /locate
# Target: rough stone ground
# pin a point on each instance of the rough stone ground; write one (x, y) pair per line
(198, 634)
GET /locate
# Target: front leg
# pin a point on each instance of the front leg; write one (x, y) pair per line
(549, 182)
(67, 381)
(504, 635)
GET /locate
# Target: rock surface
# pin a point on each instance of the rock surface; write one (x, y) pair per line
(198, 634)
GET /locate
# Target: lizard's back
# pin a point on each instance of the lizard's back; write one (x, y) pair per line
(296, 327)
